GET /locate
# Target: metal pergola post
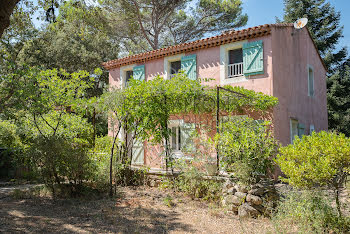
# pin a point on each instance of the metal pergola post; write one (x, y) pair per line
(218, 116)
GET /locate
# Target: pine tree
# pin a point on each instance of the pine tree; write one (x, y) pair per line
(325, 29)
(338, 99)
(324, 26)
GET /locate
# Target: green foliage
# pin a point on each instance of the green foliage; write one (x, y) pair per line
(168, 201)
(308, 212)
(127, 176)
(338, 101)
(8, 135)
(173, 22)
(80, 39)
(100, 155)
(60, 160)
(320, 159)
(246, 148)
(71, 127)
(192, 182)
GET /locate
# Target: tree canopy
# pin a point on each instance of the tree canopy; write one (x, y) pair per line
(151, 24)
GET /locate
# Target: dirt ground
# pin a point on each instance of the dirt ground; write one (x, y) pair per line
(134, 210)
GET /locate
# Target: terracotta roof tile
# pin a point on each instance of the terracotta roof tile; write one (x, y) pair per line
(224, 38)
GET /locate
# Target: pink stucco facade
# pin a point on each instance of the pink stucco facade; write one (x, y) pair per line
(287, 56)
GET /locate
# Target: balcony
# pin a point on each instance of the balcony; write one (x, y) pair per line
(235, 70)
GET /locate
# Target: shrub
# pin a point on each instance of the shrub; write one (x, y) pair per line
(8, 135)
(11, 149)
(193, 183)
(245, 148)
(322, 159)
(100, 155)
(123, 174)
(60, 160)
(308, 212)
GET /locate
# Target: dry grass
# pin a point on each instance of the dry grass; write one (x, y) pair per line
(134, 210)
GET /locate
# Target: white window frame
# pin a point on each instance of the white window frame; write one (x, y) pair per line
(167, 65)
(175, 123)
(224, 62)
(313, 81)
(291, 129)
(177, 153)
(122, 74)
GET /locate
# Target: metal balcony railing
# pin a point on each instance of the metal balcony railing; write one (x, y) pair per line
(235, 70)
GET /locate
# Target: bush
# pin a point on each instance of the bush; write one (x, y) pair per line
(61, 161)
(322, 159)
(100, 155)
(8, 135)
(122, 173)
(308, 212)
(246, 148)
(11, 149)
(193, 183)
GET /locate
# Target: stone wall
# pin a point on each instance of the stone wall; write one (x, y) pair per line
(250, 201)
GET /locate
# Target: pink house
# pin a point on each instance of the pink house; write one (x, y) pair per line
(275, 59)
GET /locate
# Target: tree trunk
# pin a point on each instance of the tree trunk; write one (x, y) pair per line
(6, 9)
(337, 201)
(111, 168)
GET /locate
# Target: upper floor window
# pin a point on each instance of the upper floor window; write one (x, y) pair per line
(235, 66)
(175, 67)
(311, 91)
(128, 75)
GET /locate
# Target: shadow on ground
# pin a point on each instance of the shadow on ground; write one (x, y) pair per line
(100, 216)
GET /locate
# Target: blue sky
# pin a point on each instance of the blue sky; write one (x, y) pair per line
(265, 12)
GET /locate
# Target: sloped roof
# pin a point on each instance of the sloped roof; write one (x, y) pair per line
(224, 38)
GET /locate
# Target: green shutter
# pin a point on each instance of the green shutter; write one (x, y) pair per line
(139, 72)
(137, 152)
(301, 130)
(186, 133)
(189, 66)
(253, 58)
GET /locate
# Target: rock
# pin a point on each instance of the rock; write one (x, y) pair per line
(259, 208)
(227, 185)
(240, 195)
(257, 191)
(255, 200)
(152, 183)
(231, 191)
(241, 188)
(231, 200)
(256, 186)
(245, 211)
(234, 208)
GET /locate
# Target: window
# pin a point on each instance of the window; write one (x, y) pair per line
(128, 75)
(176, 138)
(175, 67)
(172, 65)
(296, 129)
(125, 73)
(311, 90)
(235, 66)
(312, 128)
(181, 137)
(293, 129)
